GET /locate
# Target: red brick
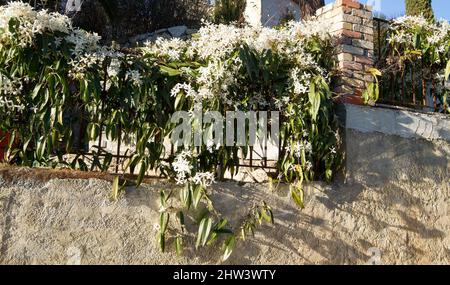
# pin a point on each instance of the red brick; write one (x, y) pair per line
(363, 60)
(350, 34)
(351, 65)
(349, 99)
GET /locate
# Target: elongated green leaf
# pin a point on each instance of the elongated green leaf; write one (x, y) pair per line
(267, 215)
(12, 139)
(163, 222)
(180, 217)
(219, 229)
(297, 196)
(185, 197)
(142, 171)
(41, 145)
(314, 101)
(197, 195)
(179, 245)
(162, 199)
(204, 231)
(161, 239)
(179, 100)
(229, 246)
(36, 91)
(170, 71)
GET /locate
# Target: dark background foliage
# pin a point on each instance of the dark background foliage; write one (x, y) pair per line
(120, 19)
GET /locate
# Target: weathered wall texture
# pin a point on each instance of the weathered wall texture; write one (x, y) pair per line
(395, 198)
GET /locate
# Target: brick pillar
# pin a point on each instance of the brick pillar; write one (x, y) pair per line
(352, 24)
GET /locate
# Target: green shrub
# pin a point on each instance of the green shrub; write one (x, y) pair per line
(48, 69)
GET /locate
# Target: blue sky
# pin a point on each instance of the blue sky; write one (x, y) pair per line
(394, 8)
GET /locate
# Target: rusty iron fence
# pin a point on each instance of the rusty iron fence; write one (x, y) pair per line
(410, 85)
(117, 153)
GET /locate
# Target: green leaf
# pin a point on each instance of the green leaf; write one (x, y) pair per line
(12, 138)
(197, 195)
(185, 196)
(41, 145)
(371, 94)
(93, 131)
(374, 72)
(142, 171)
(204, 231)
(267, 215)
(163, 222)
(219, 229)
(314, 100)
(107, 162)
(180, 217)
(36, 91)
(170, 71)
(179, 245)
(297, 196)
(163, 199)
(161, 242)
(179, 100)
(229, 246)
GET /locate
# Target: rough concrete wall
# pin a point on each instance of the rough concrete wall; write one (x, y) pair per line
(395, 198)
(403, 123)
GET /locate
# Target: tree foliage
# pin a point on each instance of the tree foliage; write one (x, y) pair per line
(420, 7)
(227, 11)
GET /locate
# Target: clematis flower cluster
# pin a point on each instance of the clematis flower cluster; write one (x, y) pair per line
(418, 40)
(222, 70)
(28, 22)
(404, 31)
(223, 67)
(184, 171)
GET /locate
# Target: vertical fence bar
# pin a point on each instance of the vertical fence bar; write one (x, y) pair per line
(402, 79)
(424, 86)
(391, 88)
(251, 157)
(433, 94)
(413, 80)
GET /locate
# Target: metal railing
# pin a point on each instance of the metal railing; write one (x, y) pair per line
(408, 85)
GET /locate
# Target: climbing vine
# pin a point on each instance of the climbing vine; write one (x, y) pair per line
(61, 90)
